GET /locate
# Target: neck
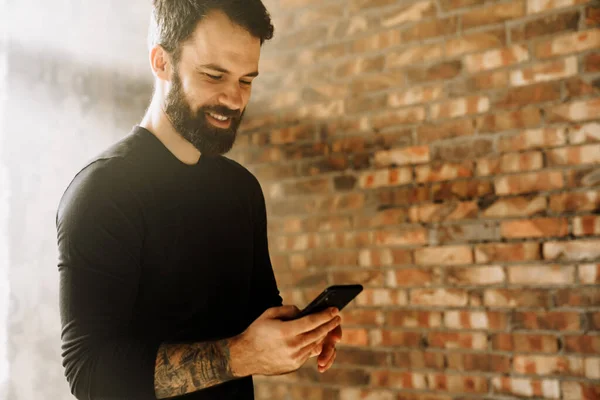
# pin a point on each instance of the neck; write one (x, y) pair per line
(155, 120)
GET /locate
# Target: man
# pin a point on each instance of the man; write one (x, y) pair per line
(166, 286)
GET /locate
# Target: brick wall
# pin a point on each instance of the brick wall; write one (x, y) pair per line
(445, 154)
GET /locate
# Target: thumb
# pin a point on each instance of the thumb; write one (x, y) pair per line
(283, 312)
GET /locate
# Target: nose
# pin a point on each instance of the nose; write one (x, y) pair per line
(231, 97)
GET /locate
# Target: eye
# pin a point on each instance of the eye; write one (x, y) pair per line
(214, 77)
(247, 83)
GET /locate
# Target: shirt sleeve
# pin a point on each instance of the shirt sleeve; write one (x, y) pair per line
(265, 293)
(100, 230)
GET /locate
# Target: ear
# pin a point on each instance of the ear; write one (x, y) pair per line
(160, 62)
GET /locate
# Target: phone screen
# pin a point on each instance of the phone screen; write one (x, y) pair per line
(334, 296)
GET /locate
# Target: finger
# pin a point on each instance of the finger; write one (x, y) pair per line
(336, 335)
(326, 354)
(330, 363)
(283, 312)
(313, 321)
(305, 353)
(319, 333)
(318, 349)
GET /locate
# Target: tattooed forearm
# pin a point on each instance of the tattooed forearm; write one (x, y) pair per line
(186, 368)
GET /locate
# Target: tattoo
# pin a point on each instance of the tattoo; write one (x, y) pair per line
(186, 368)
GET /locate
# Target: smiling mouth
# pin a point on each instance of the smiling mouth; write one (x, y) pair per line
(219, 120)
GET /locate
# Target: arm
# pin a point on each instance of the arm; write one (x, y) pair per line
(265, 293)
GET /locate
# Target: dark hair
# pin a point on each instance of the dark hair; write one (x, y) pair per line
(174, 21)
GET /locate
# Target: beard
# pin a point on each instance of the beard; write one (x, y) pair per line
(195, 128)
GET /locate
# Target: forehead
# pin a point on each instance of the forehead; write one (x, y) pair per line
(218, 40)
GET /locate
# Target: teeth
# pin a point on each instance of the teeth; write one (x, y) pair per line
(219, 117)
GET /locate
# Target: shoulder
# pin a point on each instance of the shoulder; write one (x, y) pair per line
(243, 174)
(101, 183)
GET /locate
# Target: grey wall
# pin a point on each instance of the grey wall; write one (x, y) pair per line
(76, 80)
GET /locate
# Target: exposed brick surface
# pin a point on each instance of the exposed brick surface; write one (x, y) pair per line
(446, 155)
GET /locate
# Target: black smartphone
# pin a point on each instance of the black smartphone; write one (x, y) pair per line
(334, 296)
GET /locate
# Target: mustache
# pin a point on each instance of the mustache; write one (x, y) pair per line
(222, 110)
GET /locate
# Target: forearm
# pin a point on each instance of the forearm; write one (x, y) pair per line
(186, 368)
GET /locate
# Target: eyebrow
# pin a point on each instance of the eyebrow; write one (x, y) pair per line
(215, 67)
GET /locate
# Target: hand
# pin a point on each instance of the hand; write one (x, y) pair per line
(327, 351)
(273, 347)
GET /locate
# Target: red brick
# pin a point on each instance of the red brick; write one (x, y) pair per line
(395, 338)
(538, 6)
(575, 201)
(474, 42)
(405, 116)
(402, 156)
(385, 177)
(415, 95)
(592, 62)
(549, 365)
(354, 356)
(522, 342)
(529, 182)
(538, 227)
(589, 273)
(316, 393)
(493, 14)
(582, 297)
(569, 321)
(479, 362)
(430, 29)
(442, 172)
(400, 237)
(447, 255)
(376, 82)
(351, 393)
(541, 275)
(580, 390)
(568, 43)
(355, 336)
(458, 383)
(418, 359)
(575, 111)
(497, 58)
(546, 71)
(528, 117)
(487, 81)
(576, 155)
(489, 275)
(475, 320)
(576, 250)
(378, 41)
(461, 190)
(384, 257)
(362, 276)
(359, 65)
(361, 316)
(413, 55)
(443, 212)
(546, 25)
(516, 207)
(429, 133)
(524, 387)
(507, 252)
(414, 319)
(442, 71)
(404, 196)
(533, 138)
(455, 340)
(411, 13)
(387, 217)
(585, 133)
(513, 298)
(583, 344)
(460, 150)
(460, 107)
(512, 162)
(398, 380)
(439, 297)
(523, 96)
(413, 277)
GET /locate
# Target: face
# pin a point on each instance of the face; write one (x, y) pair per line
(211, 85)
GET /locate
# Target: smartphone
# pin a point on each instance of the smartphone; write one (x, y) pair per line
(337, 296)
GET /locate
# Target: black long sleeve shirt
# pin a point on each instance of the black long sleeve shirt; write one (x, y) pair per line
(152, 251)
